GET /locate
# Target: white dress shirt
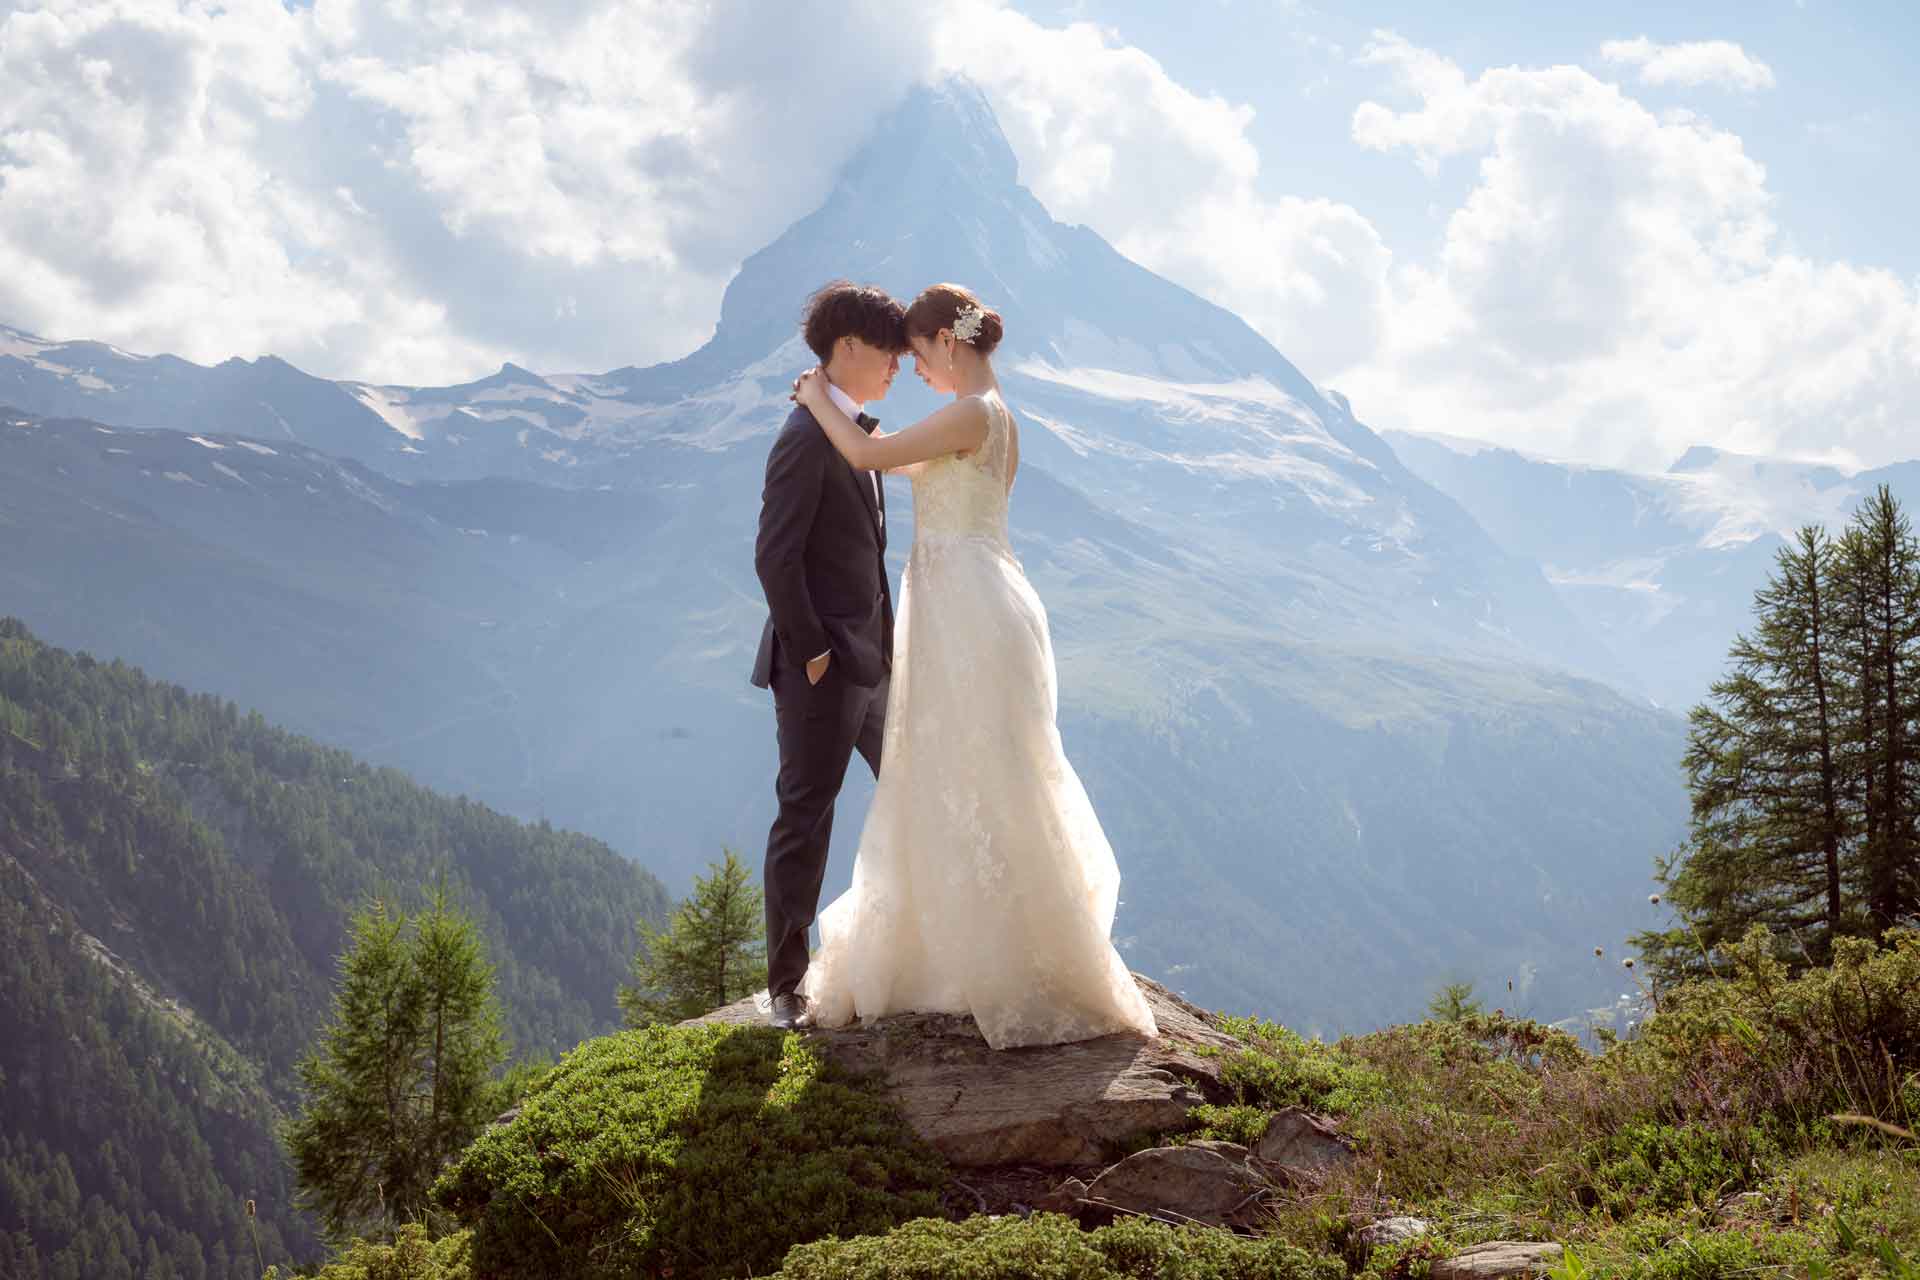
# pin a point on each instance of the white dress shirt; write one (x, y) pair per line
(853, 409)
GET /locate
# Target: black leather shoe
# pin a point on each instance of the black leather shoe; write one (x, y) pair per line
(789, 1012)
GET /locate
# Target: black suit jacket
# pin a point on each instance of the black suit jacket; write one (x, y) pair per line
(821, 557)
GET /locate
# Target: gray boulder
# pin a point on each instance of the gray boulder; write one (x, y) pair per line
(1496, 1259)
(1301, 1142)
(1391, 1231)
(1203, 1182)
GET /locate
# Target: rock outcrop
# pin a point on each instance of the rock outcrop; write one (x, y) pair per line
(1055, 1105)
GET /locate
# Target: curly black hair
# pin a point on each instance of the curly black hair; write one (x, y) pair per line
(845, 310)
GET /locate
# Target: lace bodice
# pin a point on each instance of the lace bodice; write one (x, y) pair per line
(967, 496)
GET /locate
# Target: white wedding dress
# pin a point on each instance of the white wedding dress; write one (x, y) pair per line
(983, 884)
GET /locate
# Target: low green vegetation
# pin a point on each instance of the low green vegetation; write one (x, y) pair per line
(709, 1151)
(413, 1254)
(1759, 1125)
(1011, 1248)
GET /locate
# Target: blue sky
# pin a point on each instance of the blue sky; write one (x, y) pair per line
(1597, 232)
(1837, 134)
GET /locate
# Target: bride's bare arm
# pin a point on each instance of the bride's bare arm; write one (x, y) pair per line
(956, 428)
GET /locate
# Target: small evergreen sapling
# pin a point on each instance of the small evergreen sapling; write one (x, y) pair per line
(403, 1075)
(711, 952)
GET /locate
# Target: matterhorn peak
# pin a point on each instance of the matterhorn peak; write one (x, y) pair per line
(934, 195)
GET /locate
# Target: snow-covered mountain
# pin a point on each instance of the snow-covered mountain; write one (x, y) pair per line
(1661, 567)
(1331, 724)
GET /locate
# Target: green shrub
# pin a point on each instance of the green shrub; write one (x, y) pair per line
(1282, 1068)
(1756, 1062)
(1840, 1038)
(411, 1256)
(1879, 1188)
(1724, 1255)
(709, 1151)
(1237, 1123)
(1467, 1103)
(1659, 1166)
(1050, 1247)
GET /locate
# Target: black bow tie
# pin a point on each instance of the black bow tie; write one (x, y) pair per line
(867, 423)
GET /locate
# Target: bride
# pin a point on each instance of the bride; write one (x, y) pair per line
(983, 882)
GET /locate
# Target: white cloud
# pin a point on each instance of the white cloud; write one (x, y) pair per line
(414, 191)
(1698, 62)
(1613, 287)
(403, 191)
(140, 200)
(1107, 138)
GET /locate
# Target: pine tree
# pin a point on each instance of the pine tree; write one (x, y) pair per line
(401, 1077)
(460, 1029)
(1804, 764)
(711, 952)
(349, 1145)
(1770, 819)
(1884, 565)
(1861, 747)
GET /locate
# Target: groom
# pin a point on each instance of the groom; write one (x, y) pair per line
(827, 648)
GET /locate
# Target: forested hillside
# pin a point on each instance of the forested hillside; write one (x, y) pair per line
(175, 877)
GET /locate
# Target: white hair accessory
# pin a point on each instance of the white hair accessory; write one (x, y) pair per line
(966, 324)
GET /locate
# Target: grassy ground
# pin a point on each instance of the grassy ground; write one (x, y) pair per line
(1758, 1125)
(1755, 1127)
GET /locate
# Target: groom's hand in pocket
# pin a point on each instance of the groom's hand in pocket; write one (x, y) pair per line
(817, 668)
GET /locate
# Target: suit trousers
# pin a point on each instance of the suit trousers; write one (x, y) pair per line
(819, 727)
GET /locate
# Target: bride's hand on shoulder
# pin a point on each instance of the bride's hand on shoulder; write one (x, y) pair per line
(810, 387)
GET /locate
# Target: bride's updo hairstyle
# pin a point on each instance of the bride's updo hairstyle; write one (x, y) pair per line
(938, 306)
